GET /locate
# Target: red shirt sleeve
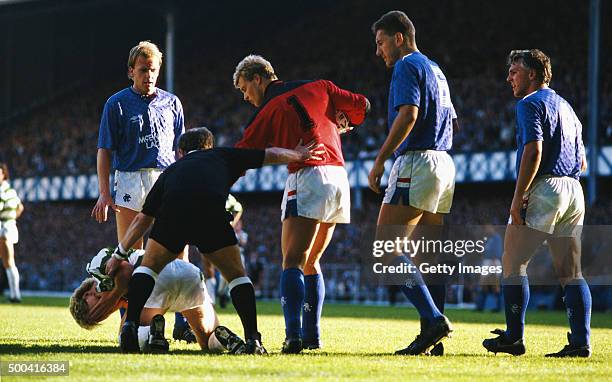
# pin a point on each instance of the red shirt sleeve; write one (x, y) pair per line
(352, 104)
(257, 134)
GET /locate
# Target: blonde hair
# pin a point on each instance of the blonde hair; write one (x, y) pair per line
(78, 306)
(146, 49)
(251, 65)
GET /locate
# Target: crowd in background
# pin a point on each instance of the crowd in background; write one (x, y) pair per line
(61, 137)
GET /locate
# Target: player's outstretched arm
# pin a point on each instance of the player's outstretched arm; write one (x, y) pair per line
(277, 155)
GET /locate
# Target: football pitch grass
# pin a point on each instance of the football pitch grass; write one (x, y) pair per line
(358, 342)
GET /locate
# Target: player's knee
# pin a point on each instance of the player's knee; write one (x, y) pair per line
(312, 268)
(293, 263)
(294, 259)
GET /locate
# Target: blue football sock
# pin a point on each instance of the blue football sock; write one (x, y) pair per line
(292, 299)
(578, 302)
(516, 299)
(438, 295)
(417, 293)
(313, 306)
(179, 321)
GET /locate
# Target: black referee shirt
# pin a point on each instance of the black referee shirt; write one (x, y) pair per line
(199, 183)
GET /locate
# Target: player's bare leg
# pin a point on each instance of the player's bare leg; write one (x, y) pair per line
(229, 263)
(520, 243)
(324, 235)
(297, 240)
(314, 288)
(566, 253)
(401, 221)
(298, 236)
(124, 217)
(203, 320)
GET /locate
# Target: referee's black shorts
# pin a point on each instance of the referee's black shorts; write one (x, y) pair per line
(207, 231)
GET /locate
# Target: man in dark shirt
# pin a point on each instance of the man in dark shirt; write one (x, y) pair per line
(187, 206)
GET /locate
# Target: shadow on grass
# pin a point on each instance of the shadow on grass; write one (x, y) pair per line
(15, 349)
(534, 317)
(272, 308)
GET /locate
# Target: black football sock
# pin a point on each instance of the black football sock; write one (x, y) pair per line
(243, 298)
(139, 290)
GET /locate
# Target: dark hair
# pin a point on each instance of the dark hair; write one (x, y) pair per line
(394, 22)
(196, 139)
(533, 59)
(5, 170)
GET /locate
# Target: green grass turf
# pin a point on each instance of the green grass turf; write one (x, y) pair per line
(358, 342)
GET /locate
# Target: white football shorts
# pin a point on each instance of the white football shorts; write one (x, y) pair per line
(320, 192)
(132, 187)
(423, 179)
(180, 286)
(555, 205)
(8, 230)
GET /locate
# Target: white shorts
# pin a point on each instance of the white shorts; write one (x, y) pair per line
(8, 230)
(320, 192)
(132, 187)
(423, 179)
(180, 286)
(554, 205)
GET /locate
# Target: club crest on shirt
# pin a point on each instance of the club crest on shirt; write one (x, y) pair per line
(137, 119)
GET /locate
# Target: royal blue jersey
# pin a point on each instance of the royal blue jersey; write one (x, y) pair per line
(419, 81)
(142, 131)
(545, 116)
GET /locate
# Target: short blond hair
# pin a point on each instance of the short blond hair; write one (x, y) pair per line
(251, 65)
(146, 49)
(78, 306)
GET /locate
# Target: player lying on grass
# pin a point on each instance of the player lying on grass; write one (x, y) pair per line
(180, 288)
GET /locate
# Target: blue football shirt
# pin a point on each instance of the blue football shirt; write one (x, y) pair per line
(545, 116)
(420, 82)
(142, 131)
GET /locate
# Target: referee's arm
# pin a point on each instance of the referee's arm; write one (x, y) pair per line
(277, 155)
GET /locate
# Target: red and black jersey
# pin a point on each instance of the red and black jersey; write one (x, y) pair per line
(306, 111)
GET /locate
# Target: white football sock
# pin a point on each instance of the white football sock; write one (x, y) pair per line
(143, 336)
(214, 345)
(12, 274)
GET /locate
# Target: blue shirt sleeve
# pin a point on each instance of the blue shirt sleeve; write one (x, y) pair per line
(107, 136)
(179, 123)
(529, 122)
(406, 90)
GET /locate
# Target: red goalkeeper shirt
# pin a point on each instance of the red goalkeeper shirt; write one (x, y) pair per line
(306, 111)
